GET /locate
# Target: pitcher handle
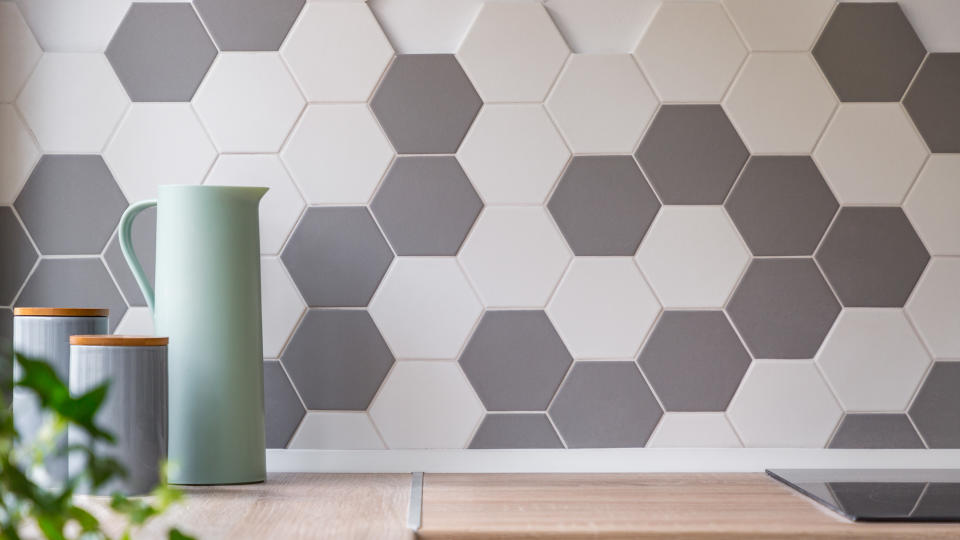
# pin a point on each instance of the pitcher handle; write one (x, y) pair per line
(126, 246)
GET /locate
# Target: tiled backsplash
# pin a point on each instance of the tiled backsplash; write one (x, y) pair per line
(579, 223)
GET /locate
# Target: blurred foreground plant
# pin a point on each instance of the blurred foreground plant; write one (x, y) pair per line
(26, 500)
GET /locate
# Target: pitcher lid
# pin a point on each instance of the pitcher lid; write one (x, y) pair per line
(60, 312)
(119, 341)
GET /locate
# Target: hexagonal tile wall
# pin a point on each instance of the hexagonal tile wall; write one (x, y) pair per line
(80, 120)
(68, 26)
(337, 256)
(932, 19)
(82, 283)
(605, 404)
(694, 360)
(530, 154)
(690, 52)
(522, 430)
(935, 307)
(778, 396)
(869, 52)
(248, 102)
(281, 405)
(19, 51)
(783, 308)
(876, 430)
(6, 324)
(158, 143)
(337, 51)
(692, 256)
(933, 103)
(603, 308)
(784, 25)
(425, 308)
(515, 256)
(161, 52)
(603, 205)
(780, 103)
(515, 361)
(602, 103)
(425, 103)
(282, 306)
(934, 409)
(697, 429)
(426, 205)
(20, 153)
(280, 208)
(70, 205)
(144, 235)
(337, 431)
(781, 205)
(512, 52)
(933, 205)
(692, 154)
(426, 405)
(870, 153)
(873, 360)
(17, 253)
(337, 359)
(872, 257)
(248, 25)
(602, 26)
(425, 26)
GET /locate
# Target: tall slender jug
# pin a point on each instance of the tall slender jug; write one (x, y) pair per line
(207, 302)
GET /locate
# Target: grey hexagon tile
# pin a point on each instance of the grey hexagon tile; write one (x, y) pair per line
(161, 51)
(515, 360)
(70, 204)
(425, 103)
(934, 409)
(6, 325)
(603, 205)
(426, 205)
(692, 154)
(515, 431)
(144, 234)
(281, 405)
(936, 500)
(605, 404)
(17, 254)
(872, 256)
(781, 205)
(934, 102)
(876, 430)
(248, 25)
(694, 360)
(81, 283)
(337, 359)
(783, 308)
(869, 52)
(337, 256)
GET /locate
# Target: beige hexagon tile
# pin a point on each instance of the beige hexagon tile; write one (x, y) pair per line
(19, 151)
(19, 51)
(515, 256)
(282, 305)
(426, 405)
(934, 307)
(336, 430)
(602, 26)
(690, 52)
(137, 321)
(933, 204)
(779, 25)
(780, 103)
(935, 23)
(870, 153)
(158, 143)
(602, 103)
(72, 26)
(692, 430)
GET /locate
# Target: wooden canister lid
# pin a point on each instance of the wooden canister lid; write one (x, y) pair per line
(119, 341)
(60, 312)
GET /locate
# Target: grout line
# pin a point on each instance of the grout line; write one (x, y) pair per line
(415, 510)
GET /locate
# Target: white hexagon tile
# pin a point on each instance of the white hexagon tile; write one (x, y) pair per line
(694, 430)
(282, 305)
(19, 51)
(20, 153)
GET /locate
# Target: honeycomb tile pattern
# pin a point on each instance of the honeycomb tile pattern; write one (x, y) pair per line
(534, 224)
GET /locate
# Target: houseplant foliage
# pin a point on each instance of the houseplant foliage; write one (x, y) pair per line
(26, 503)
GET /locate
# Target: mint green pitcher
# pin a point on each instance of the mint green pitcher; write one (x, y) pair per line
(207, 302)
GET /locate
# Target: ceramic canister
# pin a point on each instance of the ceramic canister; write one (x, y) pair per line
(135, 410)
(44, 334)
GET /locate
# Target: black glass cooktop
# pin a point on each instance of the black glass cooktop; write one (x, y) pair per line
(880, 494)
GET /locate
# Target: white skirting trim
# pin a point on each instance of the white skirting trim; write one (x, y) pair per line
(603, 460)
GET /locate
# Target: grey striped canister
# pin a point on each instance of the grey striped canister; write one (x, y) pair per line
(44, 334)
(135, 410)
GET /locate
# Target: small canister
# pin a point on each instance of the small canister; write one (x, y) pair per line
(44, 334)
(135, 409)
